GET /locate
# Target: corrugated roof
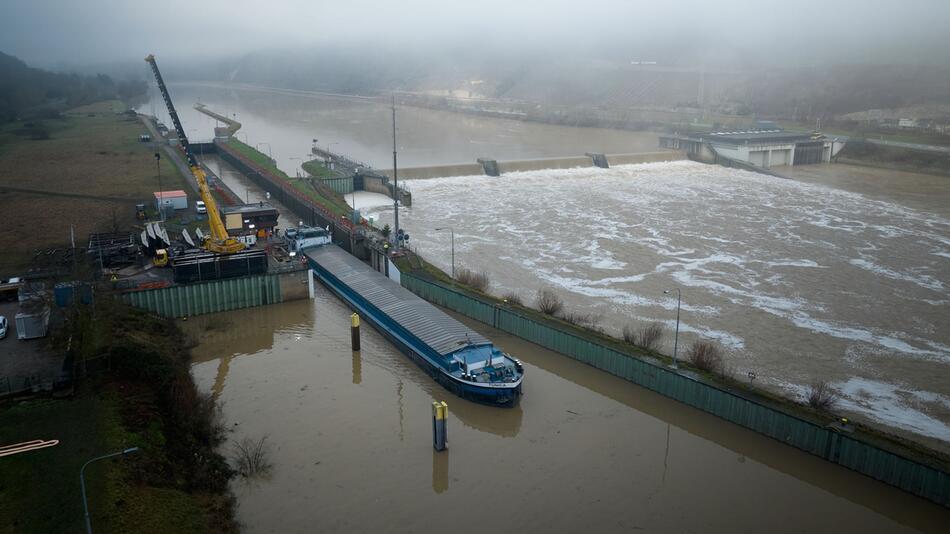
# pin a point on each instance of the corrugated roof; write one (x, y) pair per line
(431, 325)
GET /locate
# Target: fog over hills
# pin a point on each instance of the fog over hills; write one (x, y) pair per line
(737, 56)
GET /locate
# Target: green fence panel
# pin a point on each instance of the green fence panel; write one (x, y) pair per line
(844, 450)
(208, 297)
(340, 185)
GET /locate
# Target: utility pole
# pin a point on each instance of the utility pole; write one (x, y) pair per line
(161, 194)
(395, 179)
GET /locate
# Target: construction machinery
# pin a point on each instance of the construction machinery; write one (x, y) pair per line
(219, 241)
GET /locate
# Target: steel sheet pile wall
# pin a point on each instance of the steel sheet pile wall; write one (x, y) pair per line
(344, 186)
(208, 297)
(829, 444)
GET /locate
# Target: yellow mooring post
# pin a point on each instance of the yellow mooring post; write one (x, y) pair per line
(355, 331)
(440, 413)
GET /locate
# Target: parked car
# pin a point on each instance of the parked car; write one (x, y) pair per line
(200, 207)
(3, 327)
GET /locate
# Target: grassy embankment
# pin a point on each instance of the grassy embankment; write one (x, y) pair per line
(872, 133)
(311, 188)
(86, 169)
(417, 266)
(858, 153)
(176, 482)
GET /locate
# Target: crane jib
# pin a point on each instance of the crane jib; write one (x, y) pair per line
(220, 241)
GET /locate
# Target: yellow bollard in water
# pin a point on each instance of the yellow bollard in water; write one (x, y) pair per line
(355, 331)
(440, 413)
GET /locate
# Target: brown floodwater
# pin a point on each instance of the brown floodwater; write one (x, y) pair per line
(799, 282)
(350, 443)
(284, 126)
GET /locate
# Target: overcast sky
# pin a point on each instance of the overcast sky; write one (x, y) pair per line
(64, 32)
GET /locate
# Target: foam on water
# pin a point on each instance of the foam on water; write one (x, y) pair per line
(786, 271)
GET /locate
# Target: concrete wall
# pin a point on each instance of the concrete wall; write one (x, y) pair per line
(296, 285)
(646, 157)
(436, 171)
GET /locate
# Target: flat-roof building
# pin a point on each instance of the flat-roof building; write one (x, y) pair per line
(259, 219)
(176, 199)
(762, 148)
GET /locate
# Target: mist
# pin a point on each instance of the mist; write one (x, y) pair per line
(725, 34)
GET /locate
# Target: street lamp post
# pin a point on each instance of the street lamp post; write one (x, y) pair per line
(269, 153)
(82, 482)
(453, 247)
(330, 154)
(161, 194)
(676, 337)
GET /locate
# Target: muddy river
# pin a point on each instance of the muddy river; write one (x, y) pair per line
(350, 446)
(798, 281)
(285, 125)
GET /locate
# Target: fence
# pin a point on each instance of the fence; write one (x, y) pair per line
(289, 196)
(828, 443)
(208, 297)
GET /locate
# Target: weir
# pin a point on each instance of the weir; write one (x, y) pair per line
(490, 167)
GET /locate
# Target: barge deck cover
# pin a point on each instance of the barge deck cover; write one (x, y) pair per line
(429, 324)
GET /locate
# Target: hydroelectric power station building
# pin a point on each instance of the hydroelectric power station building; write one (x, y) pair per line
(761, 148)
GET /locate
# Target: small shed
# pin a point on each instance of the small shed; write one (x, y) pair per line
(175, 199)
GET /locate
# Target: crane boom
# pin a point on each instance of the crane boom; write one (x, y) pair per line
(219, 241)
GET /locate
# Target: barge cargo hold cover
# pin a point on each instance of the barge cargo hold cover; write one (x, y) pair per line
(462, 360)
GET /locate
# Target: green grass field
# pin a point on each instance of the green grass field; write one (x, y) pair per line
(91, 152)
(324, 196)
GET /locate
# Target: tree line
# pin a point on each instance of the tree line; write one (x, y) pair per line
(27, 92)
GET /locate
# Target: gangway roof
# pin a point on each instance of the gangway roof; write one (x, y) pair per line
(432, 326)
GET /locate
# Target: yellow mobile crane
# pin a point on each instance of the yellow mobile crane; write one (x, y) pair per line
(219, 241)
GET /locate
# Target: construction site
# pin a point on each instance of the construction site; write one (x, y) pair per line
(184, 251)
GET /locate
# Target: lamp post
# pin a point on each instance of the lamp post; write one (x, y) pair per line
(82, 481)
(330, 154)
(161, 194)
(453, 247)
(676, 337)
(269, 153)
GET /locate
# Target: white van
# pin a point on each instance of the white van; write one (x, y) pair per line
(200, 207)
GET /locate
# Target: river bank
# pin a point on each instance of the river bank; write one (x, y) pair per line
(137, 392)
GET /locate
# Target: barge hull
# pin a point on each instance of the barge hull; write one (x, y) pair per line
(423, 354)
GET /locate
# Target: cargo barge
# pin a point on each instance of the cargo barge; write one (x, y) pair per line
(460, 359)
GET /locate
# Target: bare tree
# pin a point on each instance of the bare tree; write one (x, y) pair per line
(589, 320)
(512, 298)
(705, 355)
(548, 302)
(647, 337)
(474, 280)
(821, 396)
